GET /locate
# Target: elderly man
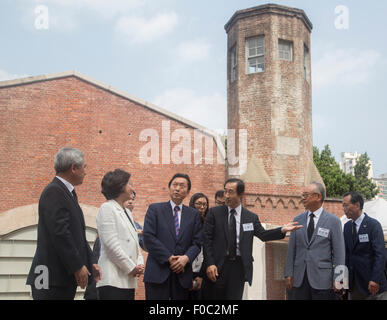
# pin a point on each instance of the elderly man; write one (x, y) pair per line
(364, 251)
(63, 258)
(315, 250)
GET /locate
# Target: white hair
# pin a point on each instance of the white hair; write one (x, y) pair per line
(66, 157)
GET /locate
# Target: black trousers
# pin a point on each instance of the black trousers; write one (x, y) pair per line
(54, 293)
(306, 292)
(170, 289)
(230, 283)
(114, 293)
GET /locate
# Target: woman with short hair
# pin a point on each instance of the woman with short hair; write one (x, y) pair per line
(121, 260)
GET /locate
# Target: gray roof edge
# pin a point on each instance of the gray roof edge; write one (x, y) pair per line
(65, 74)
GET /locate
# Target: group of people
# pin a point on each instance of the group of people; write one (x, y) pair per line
(194, 252)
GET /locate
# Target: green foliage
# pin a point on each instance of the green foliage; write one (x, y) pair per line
(337, 182)
(364, 185)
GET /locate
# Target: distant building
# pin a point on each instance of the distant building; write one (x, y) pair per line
(382, 184)
(348, 163)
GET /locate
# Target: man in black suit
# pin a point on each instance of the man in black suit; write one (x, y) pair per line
(228, 243)
(63, 257)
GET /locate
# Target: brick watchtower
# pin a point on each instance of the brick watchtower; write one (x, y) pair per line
(269, 95)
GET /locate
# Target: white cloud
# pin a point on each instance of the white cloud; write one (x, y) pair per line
(194, 50)
(4, 76)
(140, 30)
(209, 111)
(105, 8)
(345, 67)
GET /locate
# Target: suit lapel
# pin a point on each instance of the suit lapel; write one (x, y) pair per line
(242, 221)
(168, 215)
(225, 223)
(321, 221)
(304, 230)
(362, 230)
(132, 227)
(76, 204)
(184, 221)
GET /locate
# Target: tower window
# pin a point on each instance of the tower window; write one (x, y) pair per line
(233, 64)
(306, 63)
(285, 50)
(255, 54)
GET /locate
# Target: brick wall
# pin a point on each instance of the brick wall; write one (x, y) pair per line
(39, 118)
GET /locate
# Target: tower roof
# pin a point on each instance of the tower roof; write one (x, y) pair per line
(269, 9)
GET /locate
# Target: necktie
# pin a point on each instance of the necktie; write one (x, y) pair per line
(176, 217)
(74, 195)
(232, 234)
(310, 226)
(354, 232)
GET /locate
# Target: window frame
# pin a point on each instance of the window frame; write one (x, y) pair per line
(257, 56)
(285, 42)
(233, 63)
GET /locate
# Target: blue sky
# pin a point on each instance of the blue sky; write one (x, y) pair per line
(173, 53)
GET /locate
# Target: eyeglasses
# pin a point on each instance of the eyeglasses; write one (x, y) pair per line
(307, 194)
(200, 204)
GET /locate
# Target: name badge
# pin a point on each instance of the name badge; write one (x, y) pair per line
(323, 232)
(248, 227)
(363, 238)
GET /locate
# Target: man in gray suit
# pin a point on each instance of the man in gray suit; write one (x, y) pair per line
(315, 250)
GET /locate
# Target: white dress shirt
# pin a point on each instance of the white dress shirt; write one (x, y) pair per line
(359, 221)
(238, 225)
(317, 215)
(67, 184)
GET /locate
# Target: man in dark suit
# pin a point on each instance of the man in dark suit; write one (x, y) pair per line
(228, 242)
(365, 251)
(63, 257)
(172, 236)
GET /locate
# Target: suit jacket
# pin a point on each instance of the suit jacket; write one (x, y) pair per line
(120, 250)
(61, 243)
(318, 257)
(365, 260)
(161, 241)
(216, 238)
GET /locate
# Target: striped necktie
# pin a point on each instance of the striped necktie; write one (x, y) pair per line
(176, 217)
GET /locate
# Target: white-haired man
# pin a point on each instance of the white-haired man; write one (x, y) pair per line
(63, 259)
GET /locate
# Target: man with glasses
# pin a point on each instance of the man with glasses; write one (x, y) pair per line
(315, 250)
(229, 231)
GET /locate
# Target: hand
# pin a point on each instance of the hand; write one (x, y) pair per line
(139, 232)
(137, 271)
(293, 226)
(373, 287)
(337, 286)
(212, 272)
(178, 263)
(289, 283)
(198, 284)
(97, 273)
(82, 277)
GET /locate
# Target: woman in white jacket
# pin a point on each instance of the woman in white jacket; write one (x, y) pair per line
(121, 261)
